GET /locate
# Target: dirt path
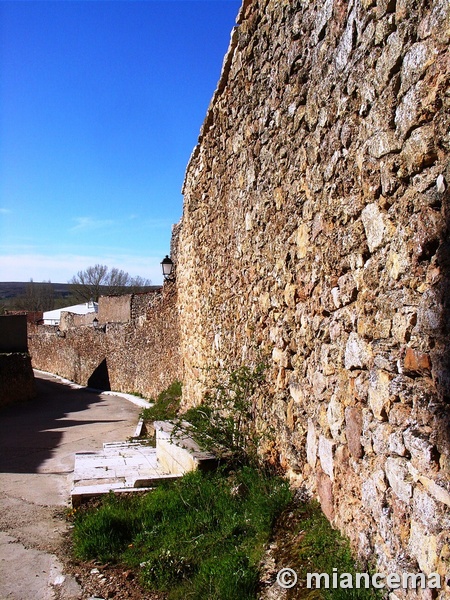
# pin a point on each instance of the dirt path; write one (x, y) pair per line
(37, 443)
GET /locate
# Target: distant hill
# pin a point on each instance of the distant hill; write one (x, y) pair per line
(13, 289)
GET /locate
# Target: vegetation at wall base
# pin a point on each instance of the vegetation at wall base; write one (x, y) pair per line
(166, 406)
(205, 536)
(229, 422)
(306, 542)
(201, 537)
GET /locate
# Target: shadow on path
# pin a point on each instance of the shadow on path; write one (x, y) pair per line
(30, 432)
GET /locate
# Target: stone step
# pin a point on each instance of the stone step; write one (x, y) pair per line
(118, 467)
(178, 453)
(136, 466)
(86, 490)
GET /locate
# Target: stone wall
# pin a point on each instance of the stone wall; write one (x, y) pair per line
(114, 309)
(314, 237)
(70, 319)
(145, 355)
(13, 333)
(16, 378)
(141, 303)
(139, 356)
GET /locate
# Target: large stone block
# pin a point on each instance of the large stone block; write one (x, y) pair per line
(335, 416)
(325, 492)
(420, 149)
(372, 498)
(415, 62)
(416, 361)
(399, 478)
(423, 546)
(424, 454)
(177, 453)
(326, 454)
(428, 512)
(311, 444)
(357, 352)
(380, 398)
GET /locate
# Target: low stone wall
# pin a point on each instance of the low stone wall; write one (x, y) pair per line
(74, 353)
(13, 333)
(16, 378)
(141, 304)
(126, 307)
(69, 319)
(140, 356)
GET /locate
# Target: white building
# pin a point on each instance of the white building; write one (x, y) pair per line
(53, 317)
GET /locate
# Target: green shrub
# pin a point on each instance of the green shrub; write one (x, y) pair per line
(227, 421)
(166, 406)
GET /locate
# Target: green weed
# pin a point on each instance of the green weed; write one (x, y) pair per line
(202, 537)
(227, 421)
(105, 532)
(311, 545)
(166, 406)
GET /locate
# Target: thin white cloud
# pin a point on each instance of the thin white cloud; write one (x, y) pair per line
(5, 211)
(89, 224)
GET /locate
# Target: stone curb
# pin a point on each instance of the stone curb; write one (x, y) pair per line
(130, 397)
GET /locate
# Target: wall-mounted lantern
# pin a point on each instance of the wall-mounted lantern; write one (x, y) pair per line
(167, 268)
(95, 323)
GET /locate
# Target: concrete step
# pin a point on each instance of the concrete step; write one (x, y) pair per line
(178, 453)
(136, 466)
(119, 467)
(84, 491)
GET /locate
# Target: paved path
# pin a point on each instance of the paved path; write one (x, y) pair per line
(38, 440)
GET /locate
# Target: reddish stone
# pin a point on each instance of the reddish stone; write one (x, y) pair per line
(353, 430)
(417, 362)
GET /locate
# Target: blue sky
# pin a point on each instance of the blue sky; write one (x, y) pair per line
(101, 104)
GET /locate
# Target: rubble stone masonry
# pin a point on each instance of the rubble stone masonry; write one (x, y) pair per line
(16, 378)
(138, 356)
(315, 236)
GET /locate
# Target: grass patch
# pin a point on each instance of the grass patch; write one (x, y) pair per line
(202, 537)
(308, 544)
(166, 406)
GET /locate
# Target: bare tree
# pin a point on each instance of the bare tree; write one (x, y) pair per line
(37, 297)
(100, 280)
